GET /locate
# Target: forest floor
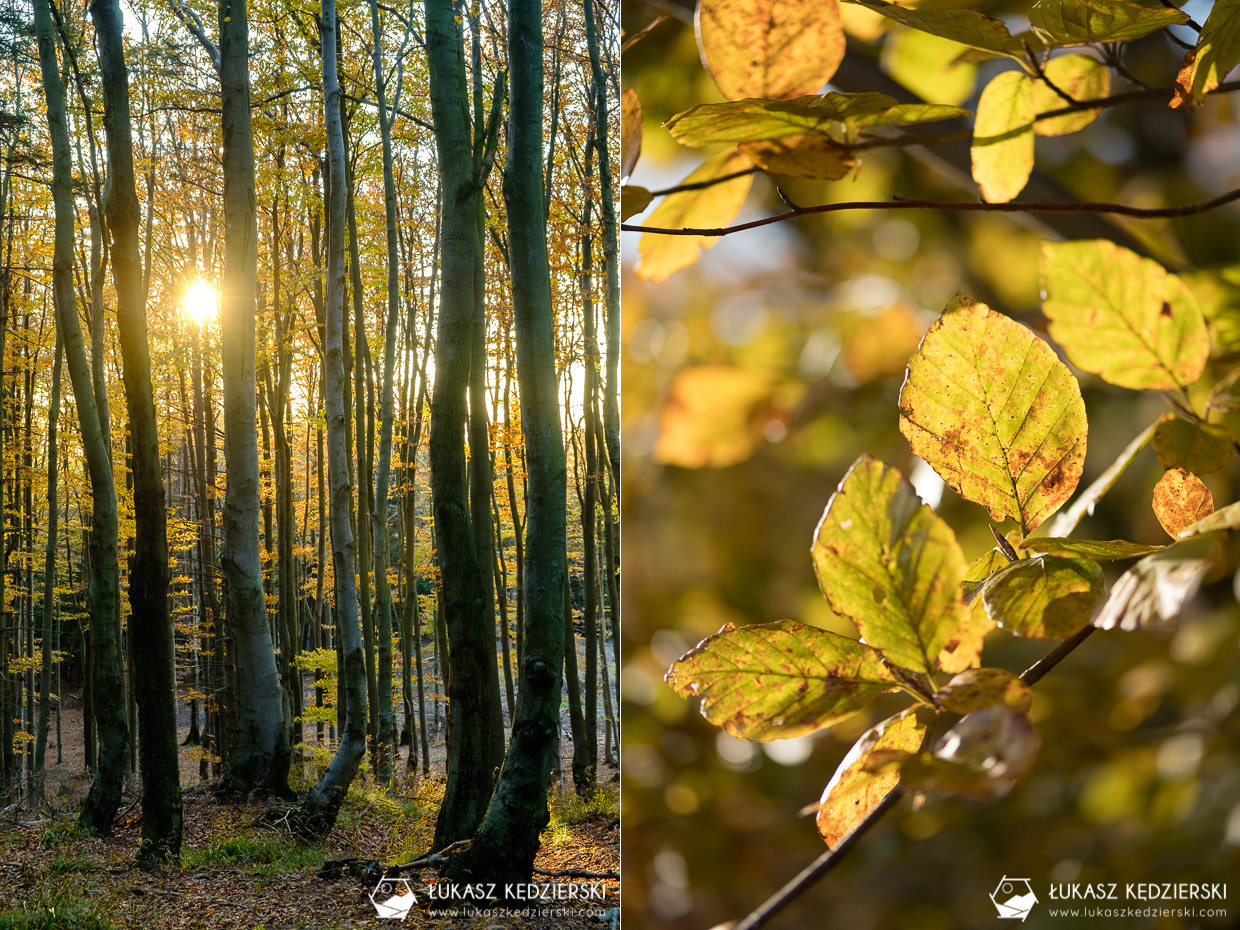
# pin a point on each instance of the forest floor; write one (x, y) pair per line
(239, 872)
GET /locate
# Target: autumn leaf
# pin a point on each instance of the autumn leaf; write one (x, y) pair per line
(1081, 78)
(1103, 550)
(929, 66)
(1002, 150)
(889, 564)
(630, 131)
(633, 200)
(982, 756)
(990, 406)
(968, 27)
(853, 791)
(770, 48)
(1151, 594)
(984, 687)
(1084, 22)
(1224, 519)
(1198, 447)
(1122, 316)
(1216, 53)
(801, 157)
(779, 680)
(706, 207)
(1047, 597)
(1180, 500)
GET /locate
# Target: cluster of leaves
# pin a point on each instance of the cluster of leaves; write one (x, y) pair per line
(992, 408)
(769, 59)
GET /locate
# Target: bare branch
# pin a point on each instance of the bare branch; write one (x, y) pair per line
(194, 24)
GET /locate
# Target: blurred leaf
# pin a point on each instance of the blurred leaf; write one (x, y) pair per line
(853, 792)
(1180, 500)
(1066, 522)
(1218, 295)
(703, 208)
(968, 27)
(982, 756)
(630, 131)
(1047, 597)
(779, 680)
(887, 562)
(1151, 594)
(713, 415)
(1226, 394)
(801, 157)
(984, 687)
(1078, 76)
(883, 343)
(1122, 316)
(929, 66)
(770, 48)
(1216, 53)
(996, 413)
(1002, 150)
(1201, 448)
(1108, 550)
(633, 200)
(1082, 22)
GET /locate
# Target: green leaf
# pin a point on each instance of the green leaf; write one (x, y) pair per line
(630, 131)
(633, 200)
(853, 791)
(779, 680)
(980, 570)
(1216, 53)
(985, 687)
(1047, 597)
(1151, 594)
(801, 157)
(754, 119)
(1201, 448)
(770, 48)
(1082, 22)
(1122, 316)
(929, 66)
(1108, 550)
(996, 413)
(1078, 76)
(968, 27)
(982, 756)
(1181, 499)
(706, 207)
(1066, 522)
(889, 564)
(1002, 148)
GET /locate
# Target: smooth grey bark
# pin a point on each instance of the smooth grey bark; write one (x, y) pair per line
(105, 668)
(318, 811)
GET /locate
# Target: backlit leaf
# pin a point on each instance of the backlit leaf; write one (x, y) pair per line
(968, 27)
(929, 66)
(630, 131)
(633, 200)
(1047, 597)
(779, 680)
(1081, 78)
(801, 157)
(1100, 550)
(1066, 522)
(1151, 594)
(1216, 53)
(703, 208)
(1201, 448)
(1122, 316)
(889, 564)
(1180, 500)
(770, 48)
(1082, 22)
(853, 791)
(985, 687)
(1002, 150)
(996, 413)
(982, 756)
(980, 570)
(965, 650)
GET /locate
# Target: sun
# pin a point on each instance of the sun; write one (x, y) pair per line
(201, 302)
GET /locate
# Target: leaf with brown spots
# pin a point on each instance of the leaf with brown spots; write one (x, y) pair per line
(1180, 500)
(1122, 316)
(1216, 53)
(996, 413)
(853, 790)
(1047, 597)
(889, 564)
(801, 157)
(779, 680)
(1201, 448)
(770, 48)
(985, 687)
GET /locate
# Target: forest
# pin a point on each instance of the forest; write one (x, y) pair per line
(309, 447)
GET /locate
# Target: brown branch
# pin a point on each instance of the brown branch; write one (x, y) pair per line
(701, 185)
(1119, 209)
(576, 873)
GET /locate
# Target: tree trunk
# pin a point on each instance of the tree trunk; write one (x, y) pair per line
(49, 580)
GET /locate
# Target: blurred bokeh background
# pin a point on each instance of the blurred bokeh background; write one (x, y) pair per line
(755, 377)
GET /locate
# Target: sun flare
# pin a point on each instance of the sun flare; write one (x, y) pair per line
(201, 302)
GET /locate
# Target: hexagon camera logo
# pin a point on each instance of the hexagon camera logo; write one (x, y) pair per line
(1014, 898)
(393, 898)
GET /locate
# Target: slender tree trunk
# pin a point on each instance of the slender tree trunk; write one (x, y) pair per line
(49, 578)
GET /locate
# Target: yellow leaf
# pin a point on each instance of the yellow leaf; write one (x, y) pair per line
(1217, 52)
(1081, 78)
(801, 157)
(630, 131)
(1003, 137)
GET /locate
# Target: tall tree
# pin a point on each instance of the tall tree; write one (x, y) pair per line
(149, 620)
(503, 848)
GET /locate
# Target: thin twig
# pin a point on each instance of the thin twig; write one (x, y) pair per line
(1038, 669)
(701, 185)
